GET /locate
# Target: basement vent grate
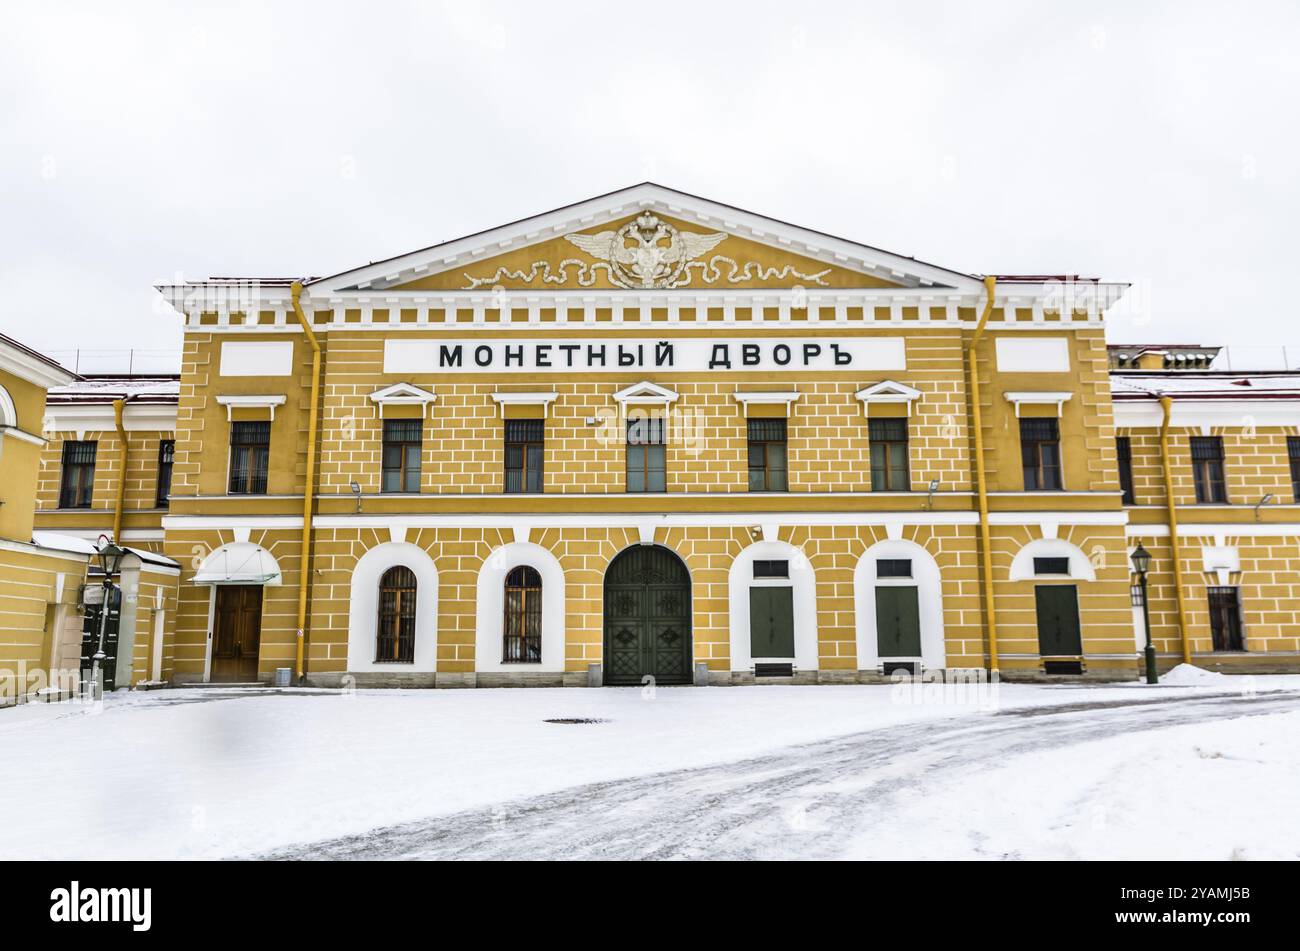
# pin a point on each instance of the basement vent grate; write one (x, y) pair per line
(774, 670)
(1063, 668)
(573, 721)
(893, 666)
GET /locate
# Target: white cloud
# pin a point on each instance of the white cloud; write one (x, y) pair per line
(1153, 145)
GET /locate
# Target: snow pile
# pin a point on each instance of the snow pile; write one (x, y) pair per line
(1187, 675)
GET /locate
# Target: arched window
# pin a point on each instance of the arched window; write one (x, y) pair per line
(395, 642)
(523, 627)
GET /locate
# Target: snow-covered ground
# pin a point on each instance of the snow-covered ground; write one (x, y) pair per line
(203, 773)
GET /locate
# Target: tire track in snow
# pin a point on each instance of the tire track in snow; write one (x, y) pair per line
(805, 801)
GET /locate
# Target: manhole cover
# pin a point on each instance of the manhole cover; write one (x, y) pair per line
(576, 720)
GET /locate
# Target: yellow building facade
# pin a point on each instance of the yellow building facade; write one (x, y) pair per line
(39, 584)
(653, 438)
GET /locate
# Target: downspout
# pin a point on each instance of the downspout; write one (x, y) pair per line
(118, 407)
(1167, 405)
(309, 488)
(981, 487)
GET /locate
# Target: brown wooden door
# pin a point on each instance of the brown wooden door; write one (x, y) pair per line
(237, 633)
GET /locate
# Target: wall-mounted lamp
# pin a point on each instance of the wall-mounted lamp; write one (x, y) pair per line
(929, 499)
(356, 490)
(1261, 503)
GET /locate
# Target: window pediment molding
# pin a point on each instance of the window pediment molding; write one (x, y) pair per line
(542, 399)
(1046, 398)
(236, 401)
(785, 397)
(403, 394)
(645, 393)
(888, 392)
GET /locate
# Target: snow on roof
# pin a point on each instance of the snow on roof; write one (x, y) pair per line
(106, 389)
(1188, 384)
(84, 546)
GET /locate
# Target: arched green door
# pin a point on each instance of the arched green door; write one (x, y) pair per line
(647, 618)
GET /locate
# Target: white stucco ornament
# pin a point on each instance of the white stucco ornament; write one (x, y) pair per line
(646, 253)
(638, 255)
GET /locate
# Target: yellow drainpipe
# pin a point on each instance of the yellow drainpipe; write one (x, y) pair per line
(309, 489)
(977, 413)
(118, 407)
(1167, 405)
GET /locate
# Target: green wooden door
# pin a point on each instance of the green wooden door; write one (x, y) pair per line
(771, 622)
(1058, 620)
(898, 621)
(647, 618)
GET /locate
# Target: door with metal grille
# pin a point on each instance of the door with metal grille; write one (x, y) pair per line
(647, 618)
(1058, 620)
(90, 637)
(1225, 619)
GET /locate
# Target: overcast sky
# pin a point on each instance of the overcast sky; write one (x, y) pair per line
(1155, 143)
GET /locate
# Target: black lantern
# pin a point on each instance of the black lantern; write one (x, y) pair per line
(1141, 559)
(110, 557)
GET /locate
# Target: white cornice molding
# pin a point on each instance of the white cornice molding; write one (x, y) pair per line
(13, 432)
(1056, 398)
(1199, 414)
(236, 401)
(543, 400)
(98, 417)
(766, 396)
(32, 369)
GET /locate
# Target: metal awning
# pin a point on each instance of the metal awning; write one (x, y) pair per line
(239, 563)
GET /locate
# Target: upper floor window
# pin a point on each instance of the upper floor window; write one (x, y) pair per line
(401, 458)
(523, 621)
(77, 483)
(1293, 451)
(395, 640)
(767, 455)
(889, 471)
(646, 466)
(524, 443)
(1040, 453)
(250, 453)
(1207, 469)
(166, 453)
(1124, 454)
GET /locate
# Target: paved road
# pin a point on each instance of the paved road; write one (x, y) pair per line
(818, 795)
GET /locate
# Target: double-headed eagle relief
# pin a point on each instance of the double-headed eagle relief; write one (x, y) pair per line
(646, 253)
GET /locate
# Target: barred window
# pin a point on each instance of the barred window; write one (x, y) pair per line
(894, 568)
(166, 453)
(771, 568)
(250, 453)
(523, 620)
(1040, 453)
(889, 468)
(395, 640)
(1207, 469)
(1293, 451)
(1124, 454)
(524, 447)
(77, 483)
(646, 454)
(767, 455)
(401, 455)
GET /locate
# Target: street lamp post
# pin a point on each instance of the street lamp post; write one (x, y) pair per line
(1141, 564)
(110, 558)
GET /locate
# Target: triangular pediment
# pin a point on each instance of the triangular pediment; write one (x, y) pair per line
(888, 391)
(645, 392)
(646, 238)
